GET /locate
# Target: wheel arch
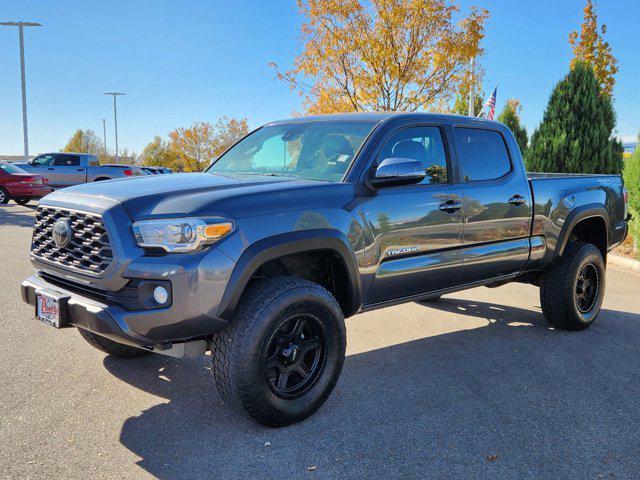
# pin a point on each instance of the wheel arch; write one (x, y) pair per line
(588, 223)
(278, 247)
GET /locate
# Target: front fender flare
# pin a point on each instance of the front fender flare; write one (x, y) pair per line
(277, 246)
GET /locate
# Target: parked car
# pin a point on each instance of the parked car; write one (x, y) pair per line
(305, 222)
(67, 169)
(20, 186)
(156, 170)
(127, 170)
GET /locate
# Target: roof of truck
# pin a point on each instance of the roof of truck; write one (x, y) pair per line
(380, 116)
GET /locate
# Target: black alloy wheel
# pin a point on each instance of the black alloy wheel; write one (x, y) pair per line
(295, 355)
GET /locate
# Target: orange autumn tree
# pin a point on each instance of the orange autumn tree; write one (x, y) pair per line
(384, 54)
(589, 46)
(197, 145)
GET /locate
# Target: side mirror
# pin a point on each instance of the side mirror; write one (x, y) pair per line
(398, 171)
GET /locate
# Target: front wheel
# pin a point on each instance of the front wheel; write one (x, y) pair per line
(4, 196)
(21, 201)
(572, 290)
(280, 357)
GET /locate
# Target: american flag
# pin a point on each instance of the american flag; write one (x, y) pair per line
(491, 104)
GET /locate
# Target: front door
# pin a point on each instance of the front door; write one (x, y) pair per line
(497, 206)
(416, 229)
(43, 165)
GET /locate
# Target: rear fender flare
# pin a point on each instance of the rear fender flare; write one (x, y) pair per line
(277, 246)
(576, 216)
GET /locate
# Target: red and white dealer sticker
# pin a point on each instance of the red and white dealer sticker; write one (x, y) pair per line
(48, 309)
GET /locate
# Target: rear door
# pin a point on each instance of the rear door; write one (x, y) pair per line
(68, 170)
(416, 238)
(497, 206)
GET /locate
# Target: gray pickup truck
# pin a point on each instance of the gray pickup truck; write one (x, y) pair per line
(67, 169)
(308, 221)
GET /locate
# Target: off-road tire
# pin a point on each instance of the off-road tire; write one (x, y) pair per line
(558, 287)
(109, 346)
(238, 353)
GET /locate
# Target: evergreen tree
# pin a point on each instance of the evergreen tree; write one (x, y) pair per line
(510, 116)
(576, 133)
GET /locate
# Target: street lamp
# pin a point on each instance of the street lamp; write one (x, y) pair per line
(104, 135)
(115, 117)
(25, 132)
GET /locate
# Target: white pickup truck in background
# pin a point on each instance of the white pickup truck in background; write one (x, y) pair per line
(67, 169)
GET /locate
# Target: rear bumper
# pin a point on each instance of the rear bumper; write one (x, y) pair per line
(29, 191)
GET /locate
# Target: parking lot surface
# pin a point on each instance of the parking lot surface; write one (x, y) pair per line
(473, 386)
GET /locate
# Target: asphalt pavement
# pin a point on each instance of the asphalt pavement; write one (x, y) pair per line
(473, 386)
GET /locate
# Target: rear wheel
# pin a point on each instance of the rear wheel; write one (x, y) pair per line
(109, 346)
(4, 196)
(280, 357)
(572, 290)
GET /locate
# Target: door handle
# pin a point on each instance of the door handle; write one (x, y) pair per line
(517, 200)
(49, 168)
(80, 169)
(450, 206)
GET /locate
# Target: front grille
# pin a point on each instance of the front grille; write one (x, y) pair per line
(89, 248)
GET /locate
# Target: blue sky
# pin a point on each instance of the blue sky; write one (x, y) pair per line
(179, 62)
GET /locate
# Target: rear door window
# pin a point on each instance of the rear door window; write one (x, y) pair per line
(483, 154)
(67, 160)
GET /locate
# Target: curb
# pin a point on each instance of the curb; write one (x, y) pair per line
(623, 262)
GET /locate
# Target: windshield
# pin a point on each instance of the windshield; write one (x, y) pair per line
(320, 150)
(8, 168)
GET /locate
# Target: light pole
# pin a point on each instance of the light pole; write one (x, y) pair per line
(115, 117)
(472, 92)
(25, 133)
(104, 135)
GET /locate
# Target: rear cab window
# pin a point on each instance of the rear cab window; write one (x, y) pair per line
(483, 154)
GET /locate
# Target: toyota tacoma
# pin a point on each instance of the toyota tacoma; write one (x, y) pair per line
(303, 223)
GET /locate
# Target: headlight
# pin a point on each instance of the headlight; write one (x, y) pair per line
(179, 234)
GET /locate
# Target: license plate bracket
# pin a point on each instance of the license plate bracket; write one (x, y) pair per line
(51, 308)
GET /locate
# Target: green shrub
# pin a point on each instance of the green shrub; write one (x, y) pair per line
(631, 175)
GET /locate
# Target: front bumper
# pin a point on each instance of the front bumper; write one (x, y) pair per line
(197, 284)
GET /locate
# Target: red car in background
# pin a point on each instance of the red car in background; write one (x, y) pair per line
(20, 186)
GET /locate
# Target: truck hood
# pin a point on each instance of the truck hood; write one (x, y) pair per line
(177, 194)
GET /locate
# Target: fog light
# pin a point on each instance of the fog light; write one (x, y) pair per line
(160, 295)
